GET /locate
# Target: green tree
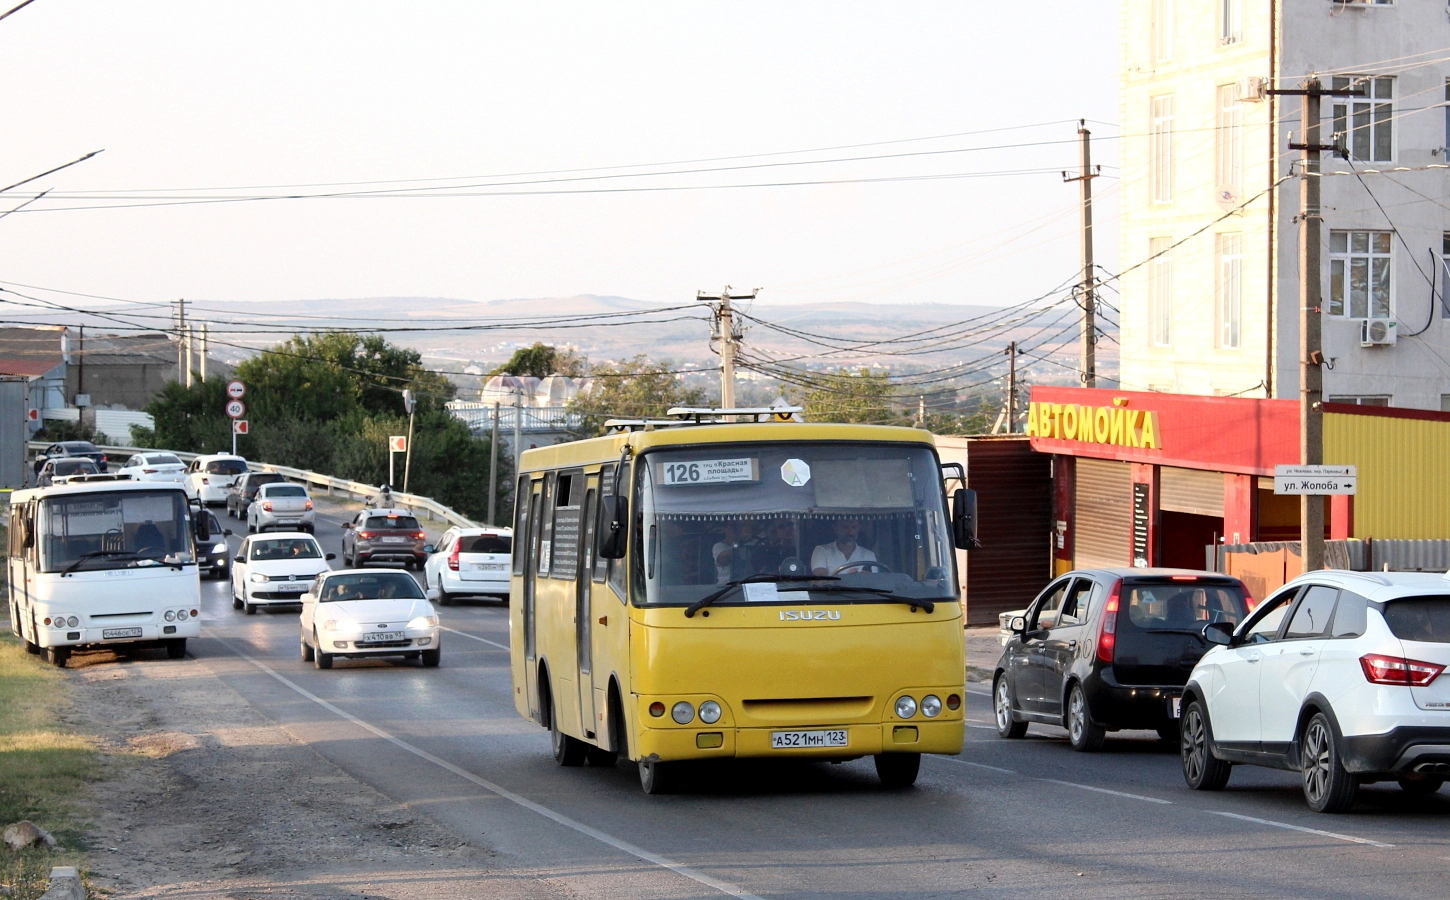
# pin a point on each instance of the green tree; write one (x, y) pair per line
(541, 361)
(863, 397)
(633, 388)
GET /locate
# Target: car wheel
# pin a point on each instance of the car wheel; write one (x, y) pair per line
(57, 656)
(432, 657)
(306, 649)
(656, 777)
(1201, 769)
(176, 649)
(236, 602)
(319, 659)
(249, 608)
(444, 599)
(251, 529)
(568, 751)
(1328, 787)
(1002, 710)
(898, 770)
(1422, 787)
(1084, 735)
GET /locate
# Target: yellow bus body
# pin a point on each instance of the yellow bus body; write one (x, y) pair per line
(770, 668)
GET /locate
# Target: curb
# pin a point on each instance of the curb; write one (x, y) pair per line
(65, 884)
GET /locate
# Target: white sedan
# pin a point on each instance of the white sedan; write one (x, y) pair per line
(368, 612)
(275, 570)
(154, 467)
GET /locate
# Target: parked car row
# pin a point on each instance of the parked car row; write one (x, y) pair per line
(1336, 675)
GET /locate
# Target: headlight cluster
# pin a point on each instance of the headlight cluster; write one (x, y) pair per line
(931, 705)
(258, 578)
(423, 622)
(63, 622)
(342, 626)
(683, 712)
(178, 615)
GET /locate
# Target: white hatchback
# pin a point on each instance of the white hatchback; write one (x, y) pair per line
(208, 478)
(154, 467)
(1338, 675)
(276, 570)
(469, 562)
(368, 612)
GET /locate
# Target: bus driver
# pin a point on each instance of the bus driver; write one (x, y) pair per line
(828, 558)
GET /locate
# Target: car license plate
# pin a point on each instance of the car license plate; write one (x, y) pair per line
(382, 637)
(112, 633)
(489, 567)
(393, 540)
(786, 740)
(1175, 707)
(298, 586)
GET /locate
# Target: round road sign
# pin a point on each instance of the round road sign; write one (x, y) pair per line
(236, 390)
(236, 409)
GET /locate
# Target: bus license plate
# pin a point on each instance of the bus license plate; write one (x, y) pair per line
(112, 633)
(382, 637)
(788, 740)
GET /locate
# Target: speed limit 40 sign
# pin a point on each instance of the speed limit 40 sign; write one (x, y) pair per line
(236, 409)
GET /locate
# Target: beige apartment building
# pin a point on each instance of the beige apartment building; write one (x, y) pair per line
(1208, 273)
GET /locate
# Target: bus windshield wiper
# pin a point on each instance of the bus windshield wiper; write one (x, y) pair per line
(753, 579)
(914, 602)
(95, 554)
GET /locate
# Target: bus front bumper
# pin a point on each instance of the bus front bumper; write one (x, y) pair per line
(704, 742)
(121, 634)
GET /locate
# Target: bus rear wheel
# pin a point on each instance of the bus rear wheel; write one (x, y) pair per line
(898, 770)
(176, 649)
(657, 777)
(568, 751)
(57, 656)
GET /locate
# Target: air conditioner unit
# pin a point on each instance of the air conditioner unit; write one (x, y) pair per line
(1377, 332)
(1253, 89)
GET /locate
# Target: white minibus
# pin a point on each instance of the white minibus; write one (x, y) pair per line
(99, 563)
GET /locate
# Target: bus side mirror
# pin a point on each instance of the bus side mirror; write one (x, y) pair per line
(964, 519)
(203, 528)
(611, 537)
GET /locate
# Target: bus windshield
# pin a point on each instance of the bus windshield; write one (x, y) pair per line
(870, 516)
(113, 530)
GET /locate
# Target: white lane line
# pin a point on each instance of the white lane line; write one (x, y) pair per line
(1088, 787)
(963, 762)
(723, 887)
(473, 637)
(1329, 834)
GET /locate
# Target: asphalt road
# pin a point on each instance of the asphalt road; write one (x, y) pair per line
(1026, 817)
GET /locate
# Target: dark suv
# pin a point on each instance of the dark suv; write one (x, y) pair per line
(1105, 649)
(384, 535)
(244, 490)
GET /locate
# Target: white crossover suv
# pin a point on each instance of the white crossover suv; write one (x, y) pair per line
(1337, 675)
(469, 562)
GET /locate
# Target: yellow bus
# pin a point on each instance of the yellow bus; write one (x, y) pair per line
(702, 587)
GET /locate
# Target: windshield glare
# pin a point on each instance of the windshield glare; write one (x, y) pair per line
(285, 548)
(870, 515)
(117, 530)
(370, 586)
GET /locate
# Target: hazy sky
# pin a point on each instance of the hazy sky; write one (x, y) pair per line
(226, 97)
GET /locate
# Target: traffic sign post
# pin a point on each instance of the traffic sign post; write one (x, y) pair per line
(235, 409)
(239, 426)
(1311, 481)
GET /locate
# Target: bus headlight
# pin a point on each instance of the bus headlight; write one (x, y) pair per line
(170, 616)
(931, 706)
(181, 615)
(709, 712)
(73, 621)
(906, 707)
(682, 712)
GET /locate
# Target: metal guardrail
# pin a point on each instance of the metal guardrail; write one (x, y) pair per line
(430, 508)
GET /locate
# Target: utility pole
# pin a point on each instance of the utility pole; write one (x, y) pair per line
(204, 337)
(1087, 345)
(1311, 350)
(493, 466)
(726, 329)
(518, 433)
(190, 351)
(411, 404)
(921, 411)
(1011, 387)
(183, 364)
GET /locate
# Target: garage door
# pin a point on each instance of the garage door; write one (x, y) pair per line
(1103, 514)
(1190, 491)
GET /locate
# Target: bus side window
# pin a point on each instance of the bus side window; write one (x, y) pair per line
(546, 528)
(617, 567)
(521, 524)
(606, 489)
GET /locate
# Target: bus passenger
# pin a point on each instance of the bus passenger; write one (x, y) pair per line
(827, 559)
(779, 546)
(732, 557)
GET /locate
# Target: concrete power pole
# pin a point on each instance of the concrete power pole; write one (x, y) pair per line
(726, 329)
(1011, 387)
(183, 361)
(204, 342)
(1087, 344)
(493, 466)
(1311, 349)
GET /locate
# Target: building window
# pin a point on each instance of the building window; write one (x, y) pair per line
(1229, 288)
(1160, 175)
(1162, 30)
(1160, 291)
(1229, 139)
(1365, 125)
(1230, 21)
(1364, 400)
(1359, 274)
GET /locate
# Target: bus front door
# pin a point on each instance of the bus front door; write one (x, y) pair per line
(531, 675)
(583, 614)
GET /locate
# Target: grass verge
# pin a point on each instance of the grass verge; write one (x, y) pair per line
(43, 767)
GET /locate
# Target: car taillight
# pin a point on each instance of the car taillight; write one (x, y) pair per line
(1398, 670)
(453, 558)
(419, 535)
(267, 505)
(365, 535)
(1108, 630)
(103, 457)
(307, 504)
(150, 471)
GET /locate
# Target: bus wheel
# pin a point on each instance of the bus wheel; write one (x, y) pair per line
(568, 751)
(176, 649)
(898, 770)
(57, 656)
(656, 777)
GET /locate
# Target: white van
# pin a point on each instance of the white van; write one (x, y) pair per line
(101, 563)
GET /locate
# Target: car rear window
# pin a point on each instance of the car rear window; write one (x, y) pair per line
(285, 490)
(381, 523)
(1180, 605)
(486, 543)
(226, 467)
(80, 447)
(162, 459)
(1425, 619)
(74, 467)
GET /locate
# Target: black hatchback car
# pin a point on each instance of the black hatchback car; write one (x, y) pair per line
(1101, 650)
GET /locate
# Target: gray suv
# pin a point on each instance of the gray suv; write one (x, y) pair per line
(384, 535)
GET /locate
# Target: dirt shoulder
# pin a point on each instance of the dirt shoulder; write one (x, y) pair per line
(206, 798)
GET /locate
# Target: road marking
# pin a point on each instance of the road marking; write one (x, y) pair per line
(963, 762)
(988, 727)
(1088, 787)
(723, 887)
(1329, 834)
(474, 637)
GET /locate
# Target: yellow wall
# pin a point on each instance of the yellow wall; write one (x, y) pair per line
(1404, 473)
